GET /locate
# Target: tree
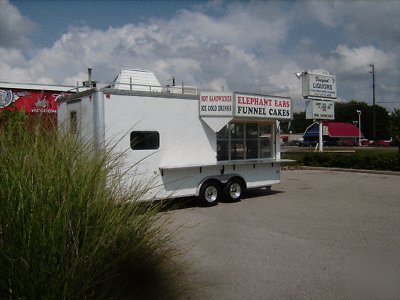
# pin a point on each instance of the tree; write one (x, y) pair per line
(395, 126)
(298, 124)
(347, 112)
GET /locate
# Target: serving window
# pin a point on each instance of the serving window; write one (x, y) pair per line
(244, 141)
(145, 140)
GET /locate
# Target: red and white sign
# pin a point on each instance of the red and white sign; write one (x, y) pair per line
(31, 101)
(264, 107)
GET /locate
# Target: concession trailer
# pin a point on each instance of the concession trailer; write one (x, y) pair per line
(212, 145)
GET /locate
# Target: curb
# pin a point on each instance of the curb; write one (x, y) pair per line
(344, 170)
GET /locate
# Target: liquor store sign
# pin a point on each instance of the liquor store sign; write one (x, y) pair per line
(319, 86)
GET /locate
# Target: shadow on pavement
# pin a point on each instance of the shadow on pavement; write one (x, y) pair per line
(192, 202)
(254, 193)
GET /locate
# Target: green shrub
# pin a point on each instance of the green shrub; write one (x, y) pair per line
(69, 230)
(365, 159)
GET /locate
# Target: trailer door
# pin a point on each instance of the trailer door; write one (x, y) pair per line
(74, 115)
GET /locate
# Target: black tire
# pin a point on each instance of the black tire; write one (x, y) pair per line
(210, 193)
(233, 190)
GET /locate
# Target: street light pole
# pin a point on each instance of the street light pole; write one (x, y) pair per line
(320, 136)
(359, 127)
(373, 102)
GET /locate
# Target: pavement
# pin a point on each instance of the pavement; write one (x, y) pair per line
(320, 234)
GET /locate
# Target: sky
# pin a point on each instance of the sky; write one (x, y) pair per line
(246, 46)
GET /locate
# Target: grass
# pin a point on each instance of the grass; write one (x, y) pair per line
(69, 230)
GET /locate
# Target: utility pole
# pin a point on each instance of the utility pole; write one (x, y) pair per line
(373, 102)
(359, 127)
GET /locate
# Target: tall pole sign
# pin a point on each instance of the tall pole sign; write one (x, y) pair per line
(319, 91)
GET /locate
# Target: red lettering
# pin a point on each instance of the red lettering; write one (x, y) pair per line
(282, 103)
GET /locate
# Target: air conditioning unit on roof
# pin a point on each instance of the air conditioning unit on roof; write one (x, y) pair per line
(137, 80)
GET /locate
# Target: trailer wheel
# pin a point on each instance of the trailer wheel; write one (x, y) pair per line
(210, 193)
(233, 190)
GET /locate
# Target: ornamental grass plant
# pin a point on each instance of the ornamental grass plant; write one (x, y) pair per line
(68, 229)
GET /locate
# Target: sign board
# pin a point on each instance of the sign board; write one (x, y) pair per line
(216, 104)
(32, 101)
(262, 107)
(217, 109)
(320, 110)
(244, 106)
(319, 86)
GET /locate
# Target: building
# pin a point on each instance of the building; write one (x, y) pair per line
(33, 98)
(333, 133)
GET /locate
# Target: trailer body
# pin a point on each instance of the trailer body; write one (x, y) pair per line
(168, 140)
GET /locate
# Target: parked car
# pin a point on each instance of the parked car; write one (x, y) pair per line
(382, 143)
(308, 143)
(366, 142)
(350, 143)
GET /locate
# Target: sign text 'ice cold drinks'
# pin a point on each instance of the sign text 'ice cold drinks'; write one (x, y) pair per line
(216, 104)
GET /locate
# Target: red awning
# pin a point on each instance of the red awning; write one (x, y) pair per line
(340, 129)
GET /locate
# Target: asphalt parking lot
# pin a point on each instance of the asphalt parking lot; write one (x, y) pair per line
(317, 235)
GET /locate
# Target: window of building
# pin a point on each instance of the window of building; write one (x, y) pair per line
(73, 122)
(145, 140)
(244, 141)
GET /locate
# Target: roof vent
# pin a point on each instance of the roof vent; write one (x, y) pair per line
(89, 83)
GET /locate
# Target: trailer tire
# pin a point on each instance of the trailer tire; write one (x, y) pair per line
(210, 193)
(233, 190)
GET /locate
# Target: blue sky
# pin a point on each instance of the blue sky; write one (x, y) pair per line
(254, 46)
(55, 17)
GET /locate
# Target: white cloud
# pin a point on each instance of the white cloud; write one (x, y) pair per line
(324, 12)
(192, 46)
(14, 28)
(374, 21)
(358, 60)
(286, 80)
(249, 46)
(361, 21)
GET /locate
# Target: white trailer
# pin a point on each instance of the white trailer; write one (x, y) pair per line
(213, 145)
